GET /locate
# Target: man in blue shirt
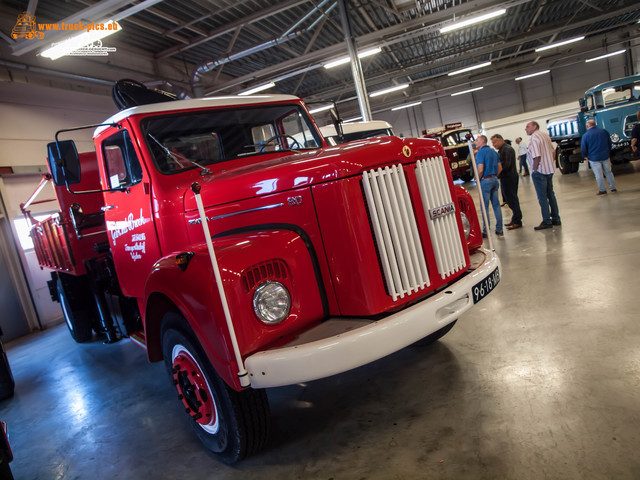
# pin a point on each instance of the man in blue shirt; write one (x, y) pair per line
(595, 146)
(489, 167)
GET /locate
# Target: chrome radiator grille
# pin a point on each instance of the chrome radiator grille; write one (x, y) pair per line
(443, 228)
(395, 230)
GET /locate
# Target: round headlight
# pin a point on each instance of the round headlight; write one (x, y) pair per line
(615, 138)
(466, 225)
(271, 302)
(454, 165)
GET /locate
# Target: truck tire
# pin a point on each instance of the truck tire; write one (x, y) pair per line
(74, 308)
(232, 425)
(435, 336)
(563, 163)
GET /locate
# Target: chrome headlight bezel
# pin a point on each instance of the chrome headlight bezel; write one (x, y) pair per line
(466, 225)
(615, 138)
(271, 302)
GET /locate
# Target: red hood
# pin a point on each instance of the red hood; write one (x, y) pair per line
(231, 182)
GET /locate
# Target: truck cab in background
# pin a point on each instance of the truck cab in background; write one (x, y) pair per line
(614, 106)
(453, 137)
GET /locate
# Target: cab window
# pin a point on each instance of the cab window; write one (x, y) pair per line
(122, 164)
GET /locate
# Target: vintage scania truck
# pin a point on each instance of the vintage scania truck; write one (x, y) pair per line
(230, 241)
(614, 106)
(453, 137)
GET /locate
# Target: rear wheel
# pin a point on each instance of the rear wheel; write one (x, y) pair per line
(75, 308)
(231, 424)
(563, 163)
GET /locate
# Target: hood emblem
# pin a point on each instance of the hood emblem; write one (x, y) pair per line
(441, 211)
(406, 151)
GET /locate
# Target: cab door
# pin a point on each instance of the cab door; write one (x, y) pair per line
(128, 211)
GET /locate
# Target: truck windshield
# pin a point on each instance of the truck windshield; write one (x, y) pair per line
(455, 138)
(199, 138)
(621, 94)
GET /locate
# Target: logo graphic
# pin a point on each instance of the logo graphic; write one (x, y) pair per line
(406, 151)
(25, 27)
(441, 211)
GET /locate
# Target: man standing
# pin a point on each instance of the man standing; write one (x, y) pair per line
(508, 179)
(489, 168)
(635, 136)
(541, 159)
(522, 156)
(596, 146)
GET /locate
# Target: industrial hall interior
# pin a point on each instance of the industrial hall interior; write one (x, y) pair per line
(320, 239)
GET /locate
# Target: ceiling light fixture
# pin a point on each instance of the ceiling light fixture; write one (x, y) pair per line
(605, 56)
(468, 69)
(533, 75)
(320, 109)
(84, 39)
(471, 21)
(389, 90)
(343, 60)
(406, 106)
(467, 91)
(553, 45)
(258, 89)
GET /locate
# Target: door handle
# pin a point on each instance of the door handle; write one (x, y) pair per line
(107, 207)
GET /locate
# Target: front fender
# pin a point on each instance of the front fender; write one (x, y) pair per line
(245, 260)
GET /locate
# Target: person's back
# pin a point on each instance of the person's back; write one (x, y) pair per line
(596, 144)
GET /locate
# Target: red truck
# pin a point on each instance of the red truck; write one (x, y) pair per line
(453, 138)
(229, 240)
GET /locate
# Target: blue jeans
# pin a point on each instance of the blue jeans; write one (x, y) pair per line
(489, 188)
(600, 170)
(523, 164)
(546, 198)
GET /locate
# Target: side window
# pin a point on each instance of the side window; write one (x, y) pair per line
(123, 167)
(295, 127)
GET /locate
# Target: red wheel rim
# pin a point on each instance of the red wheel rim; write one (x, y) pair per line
(193, 389)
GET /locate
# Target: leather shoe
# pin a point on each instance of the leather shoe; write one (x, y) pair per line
(500, 234)
(557, 223)
(513, 226)
(601, 193)
(508, 224)
(543, 226)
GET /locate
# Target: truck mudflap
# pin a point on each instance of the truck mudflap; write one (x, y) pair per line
(341, 344)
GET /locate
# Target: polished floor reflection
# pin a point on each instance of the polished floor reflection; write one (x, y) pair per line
(540, 380)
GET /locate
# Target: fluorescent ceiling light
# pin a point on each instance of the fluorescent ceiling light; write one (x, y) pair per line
(406, 106)
(389, 90)
(471, 21)
(533, 75)
(258, 89)
(553, 45)
(343, 60)
(354, 119)
(321, 109)
(468, 69)
(605, 56)
(74, 43)
(467, 91)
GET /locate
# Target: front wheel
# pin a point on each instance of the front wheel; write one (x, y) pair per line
(563, 163)
(231, 424)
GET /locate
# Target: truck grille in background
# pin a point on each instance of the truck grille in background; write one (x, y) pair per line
(396, 232)
(443, 228)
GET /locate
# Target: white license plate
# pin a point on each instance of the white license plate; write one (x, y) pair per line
(485, 286)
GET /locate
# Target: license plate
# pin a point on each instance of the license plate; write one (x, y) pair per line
(462, 162)
(485, 286)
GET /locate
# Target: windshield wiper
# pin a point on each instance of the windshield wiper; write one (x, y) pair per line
(174, 157)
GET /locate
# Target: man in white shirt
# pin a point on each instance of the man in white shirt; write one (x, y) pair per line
(541, 157)
(522, 156)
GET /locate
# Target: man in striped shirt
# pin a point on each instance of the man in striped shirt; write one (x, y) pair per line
(541, 158)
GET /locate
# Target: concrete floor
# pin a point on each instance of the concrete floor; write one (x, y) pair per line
(540, 381)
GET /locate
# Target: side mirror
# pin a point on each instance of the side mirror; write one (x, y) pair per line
(583, 104)
(64, 162)
(337, 122)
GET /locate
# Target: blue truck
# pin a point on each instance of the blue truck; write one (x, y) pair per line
(614, 106)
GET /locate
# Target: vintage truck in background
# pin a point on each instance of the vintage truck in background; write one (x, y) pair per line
(246, 259)
(614, 106)
(453, 137)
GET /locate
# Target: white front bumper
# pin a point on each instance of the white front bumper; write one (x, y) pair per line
(338, 345)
